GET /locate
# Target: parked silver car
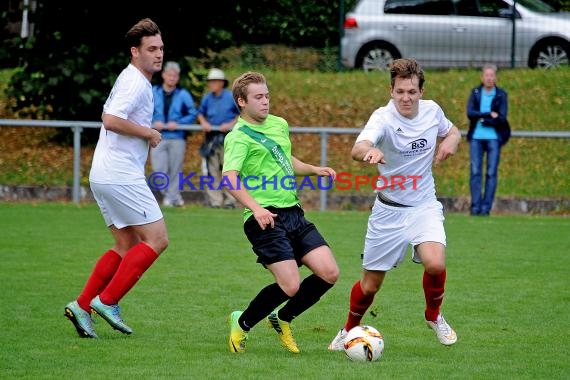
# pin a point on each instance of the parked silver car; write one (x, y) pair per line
(455, 33)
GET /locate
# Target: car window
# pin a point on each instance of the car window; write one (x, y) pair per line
(485, 8)
(419, 7)
(493, 8)
(536, 6)
(467, 8)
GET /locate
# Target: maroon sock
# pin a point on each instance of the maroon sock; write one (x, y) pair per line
(136, 261)
(103, 272)
(359, 303)
(434, 287)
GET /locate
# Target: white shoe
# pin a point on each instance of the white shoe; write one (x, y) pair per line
(337, 343)
(443, 330)
(178, 203)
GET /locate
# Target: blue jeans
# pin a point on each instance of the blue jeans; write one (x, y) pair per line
(481, 202)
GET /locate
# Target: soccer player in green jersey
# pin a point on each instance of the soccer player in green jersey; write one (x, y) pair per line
(260, 171)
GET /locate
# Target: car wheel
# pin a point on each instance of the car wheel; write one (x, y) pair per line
(550, 54)
(376, 56)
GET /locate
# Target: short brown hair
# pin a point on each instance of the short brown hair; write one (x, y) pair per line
(406, 68)
(239, 87)
(144, 28)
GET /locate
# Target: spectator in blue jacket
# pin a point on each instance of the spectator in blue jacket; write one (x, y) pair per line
(173, 105)
(488, 131)
(218, 113)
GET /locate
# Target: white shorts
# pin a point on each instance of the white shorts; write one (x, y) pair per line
(392, 229)
(126, 205)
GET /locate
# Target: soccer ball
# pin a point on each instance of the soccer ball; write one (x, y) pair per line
(364, 344)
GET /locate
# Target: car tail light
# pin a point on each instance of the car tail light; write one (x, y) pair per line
(350, 23)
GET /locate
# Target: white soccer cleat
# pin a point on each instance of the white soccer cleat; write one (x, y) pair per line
(337, 343)
(443, 330)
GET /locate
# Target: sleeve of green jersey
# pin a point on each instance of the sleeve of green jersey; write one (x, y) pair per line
(235, 151)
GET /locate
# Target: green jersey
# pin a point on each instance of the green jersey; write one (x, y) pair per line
(261, 154)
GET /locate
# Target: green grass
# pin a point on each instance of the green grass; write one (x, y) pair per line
(506, 295)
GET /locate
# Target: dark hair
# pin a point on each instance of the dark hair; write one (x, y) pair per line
(406, 68)
(239, 87)
(144, 28)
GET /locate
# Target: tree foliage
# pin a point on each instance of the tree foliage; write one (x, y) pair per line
(66, 69)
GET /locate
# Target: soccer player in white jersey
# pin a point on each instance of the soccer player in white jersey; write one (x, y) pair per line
(118, 183)
(401, 139)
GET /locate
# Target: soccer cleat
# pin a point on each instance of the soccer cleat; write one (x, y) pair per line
(110, 313)
(283, 330)
(238, 336)
(337, 343)
(443, 330)
(80, 319)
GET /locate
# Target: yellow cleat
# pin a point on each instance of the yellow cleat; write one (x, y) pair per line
(238, 337)
(284, 332)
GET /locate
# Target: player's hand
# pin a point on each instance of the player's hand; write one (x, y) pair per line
(445, 150)
(154, 138)
(374, 156)
(443, 153)
(448, 146)
(325, 171)
(264, 218)
(206, 127)
(158, 125)
(172, 125)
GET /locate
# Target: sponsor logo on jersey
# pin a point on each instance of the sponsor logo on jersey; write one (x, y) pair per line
(418, 144)
(416, 148)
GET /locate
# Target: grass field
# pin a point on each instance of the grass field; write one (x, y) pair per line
(507, 296)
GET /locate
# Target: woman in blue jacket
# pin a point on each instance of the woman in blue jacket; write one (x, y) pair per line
(488, 131)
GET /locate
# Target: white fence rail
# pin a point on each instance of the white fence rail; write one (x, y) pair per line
(323, 132)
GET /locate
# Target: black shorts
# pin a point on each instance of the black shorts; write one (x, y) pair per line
(292, 237)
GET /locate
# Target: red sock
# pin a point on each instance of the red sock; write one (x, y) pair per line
(103, 272)
(136, 261)
(434, 286)
(359, 303)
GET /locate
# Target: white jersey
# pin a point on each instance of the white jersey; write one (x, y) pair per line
(408, 146)
(121, 159)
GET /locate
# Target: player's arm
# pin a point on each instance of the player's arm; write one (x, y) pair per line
(125, 127)
(449, 145)
(366, 151)
(302, 168)
(263, 216)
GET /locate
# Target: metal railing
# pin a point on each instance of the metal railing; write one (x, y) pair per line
(323, 132)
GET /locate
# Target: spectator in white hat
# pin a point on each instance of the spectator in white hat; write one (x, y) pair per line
(217, 114)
